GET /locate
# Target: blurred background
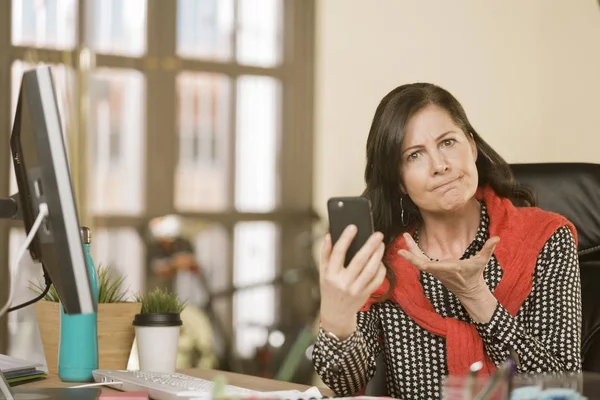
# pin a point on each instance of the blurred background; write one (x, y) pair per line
(228, 123)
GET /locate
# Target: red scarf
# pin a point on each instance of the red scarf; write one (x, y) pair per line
(523, 233)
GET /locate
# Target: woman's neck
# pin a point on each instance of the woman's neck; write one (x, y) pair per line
(448, 236)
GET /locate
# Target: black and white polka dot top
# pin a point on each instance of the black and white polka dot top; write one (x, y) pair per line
(545, 334)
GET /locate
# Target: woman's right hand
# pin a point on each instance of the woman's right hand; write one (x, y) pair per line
(345, 290)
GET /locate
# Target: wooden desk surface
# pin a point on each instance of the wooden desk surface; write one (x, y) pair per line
(245, 381)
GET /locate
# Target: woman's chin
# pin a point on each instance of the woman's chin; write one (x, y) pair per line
(453, 201)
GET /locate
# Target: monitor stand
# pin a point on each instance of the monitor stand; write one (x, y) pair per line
(5, 388)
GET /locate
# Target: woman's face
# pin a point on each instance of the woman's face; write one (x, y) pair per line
(438, 162)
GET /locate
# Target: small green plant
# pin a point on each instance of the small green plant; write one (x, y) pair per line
(110, 287)
(52, 295)
(160, 301)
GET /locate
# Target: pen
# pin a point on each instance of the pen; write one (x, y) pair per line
(471, 380)
(511, 370)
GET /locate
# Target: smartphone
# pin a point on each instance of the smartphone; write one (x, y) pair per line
(344, 211)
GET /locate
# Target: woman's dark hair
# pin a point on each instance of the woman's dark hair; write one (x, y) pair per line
(382, 173)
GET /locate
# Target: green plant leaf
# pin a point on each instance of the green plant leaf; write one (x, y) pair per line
(160, 301)
(110, 287)
(38, 288)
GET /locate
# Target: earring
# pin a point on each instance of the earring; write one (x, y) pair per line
(402, 213)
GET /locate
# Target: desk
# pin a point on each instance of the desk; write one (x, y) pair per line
(245, 381)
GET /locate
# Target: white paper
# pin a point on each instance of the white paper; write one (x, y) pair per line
(239, 393)
(312, 393)
(10, 364)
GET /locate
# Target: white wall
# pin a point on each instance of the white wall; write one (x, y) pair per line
(571, 92)
(527, 73)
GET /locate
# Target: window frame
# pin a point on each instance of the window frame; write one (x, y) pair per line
(160, 66)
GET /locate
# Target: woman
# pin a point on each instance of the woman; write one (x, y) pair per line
(462, 268)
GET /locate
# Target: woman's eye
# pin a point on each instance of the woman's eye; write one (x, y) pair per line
(448, 142)
(413, 156)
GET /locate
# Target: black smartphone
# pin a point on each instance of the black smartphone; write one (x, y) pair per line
(344, 211)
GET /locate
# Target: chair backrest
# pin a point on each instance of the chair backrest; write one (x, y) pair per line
(572, 190)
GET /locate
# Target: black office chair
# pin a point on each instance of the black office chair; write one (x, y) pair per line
(572, 190)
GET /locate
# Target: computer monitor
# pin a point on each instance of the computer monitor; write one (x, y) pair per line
(43, 176)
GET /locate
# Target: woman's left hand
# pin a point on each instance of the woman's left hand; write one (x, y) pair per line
(464, 278)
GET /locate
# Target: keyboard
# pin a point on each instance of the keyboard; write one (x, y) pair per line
(164, 386)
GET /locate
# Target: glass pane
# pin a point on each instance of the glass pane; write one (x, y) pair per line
(116, 142)
(64, 81)
(28, 271)
(123, 250)
(117, 26)
(24, 337)
(255, 260)
(212, 248)
(259, 35)
(257, 143)
(44, 23)
(205, 29)
(201, 180)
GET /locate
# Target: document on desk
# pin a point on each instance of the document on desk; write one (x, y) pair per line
(13, 367)
(312, 393)
(241, 393)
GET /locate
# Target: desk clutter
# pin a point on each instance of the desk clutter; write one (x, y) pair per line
(55, 394)
(17, 371)
(175, 386)
(523, 387)
(139, 385)
(505, 384)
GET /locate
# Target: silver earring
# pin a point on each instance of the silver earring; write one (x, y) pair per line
(402, 213)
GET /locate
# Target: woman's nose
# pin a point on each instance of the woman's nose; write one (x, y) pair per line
(439, 163)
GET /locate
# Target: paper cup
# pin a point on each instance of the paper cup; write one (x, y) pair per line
(157, 337)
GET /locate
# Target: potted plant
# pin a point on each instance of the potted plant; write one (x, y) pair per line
(115, 333)
(159, 321)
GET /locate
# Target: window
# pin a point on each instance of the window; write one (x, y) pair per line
(204, 108)
(21, 334)
(199, 108)
(117, 26)
(212, 244)
(116, 133)
(259, 34)
(121, 249)
(205, 29)
(255, 262)
(44, 23)
(257, 144)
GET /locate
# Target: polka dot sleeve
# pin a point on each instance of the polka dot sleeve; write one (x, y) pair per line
(547, 338)
(346, 366)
